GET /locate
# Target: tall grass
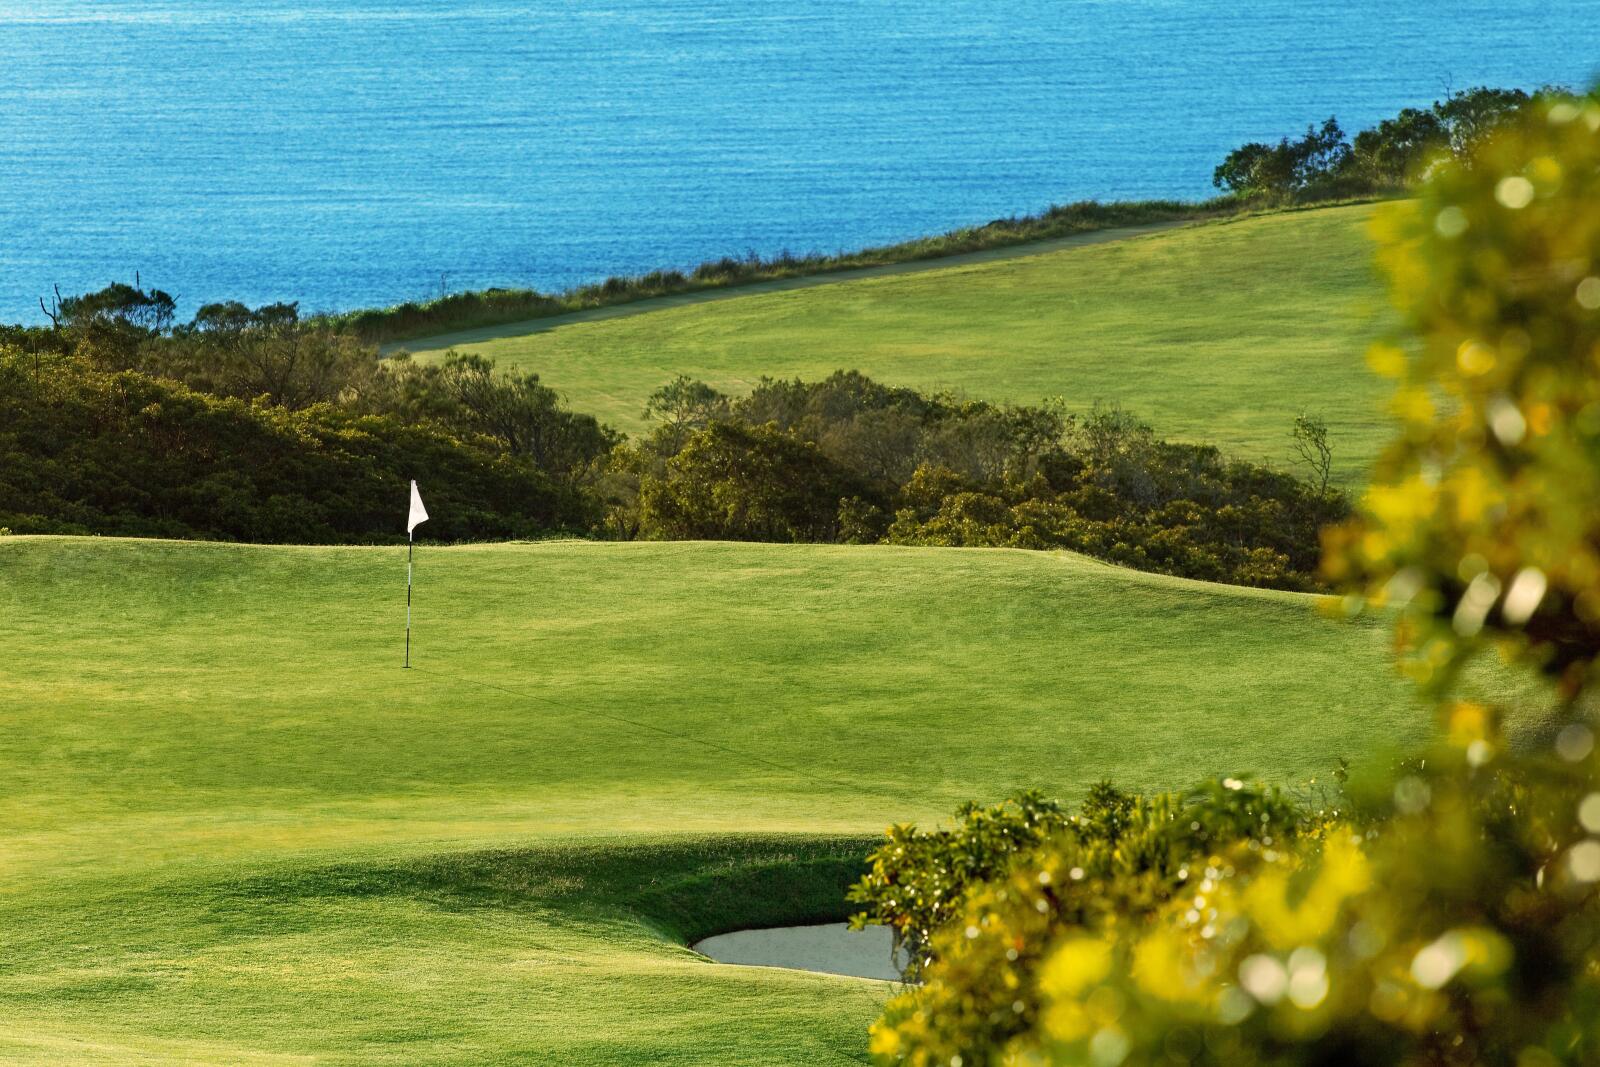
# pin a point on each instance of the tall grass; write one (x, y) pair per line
(493, 307)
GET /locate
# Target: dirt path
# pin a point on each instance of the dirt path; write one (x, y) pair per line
(439, 342)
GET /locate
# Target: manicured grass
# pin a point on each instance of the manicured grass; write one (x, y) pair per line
(1219, 332)
(235, 831)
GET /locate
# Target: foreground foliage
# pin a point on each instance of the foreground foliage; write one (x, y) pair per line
(918, 879)
(1445, 913)
(1482, 522)
(1233, 926)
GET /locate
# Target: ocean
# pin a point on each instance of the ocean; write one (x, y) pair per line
(362, 153)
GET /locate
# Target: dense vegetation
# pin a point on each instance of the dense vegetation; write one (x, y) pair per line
(84, 450)
(851, 460)
(1442, 912)
(251, 424)
(1237, 925)
(1324, 162)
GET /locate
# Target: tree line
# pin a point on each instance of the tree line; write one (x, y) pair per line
(852, 460)
(1327, 163)
(257, 424)
(251, 424)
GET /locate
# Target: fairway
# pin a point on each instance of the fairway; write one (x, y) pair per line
(235, 831)
(1219, 333)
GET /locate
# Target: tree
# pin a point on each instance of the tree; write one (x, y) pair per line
(1469, 114)
(1321, 153)
(1287, 168)
(515, 408)
(1394, 150)
(1310, 435)
(234, 350)
(1323, 162)
(684, 405)
(112, 324)
(737, 483)
(52, 311)
(468, 395)
(1254, 168)
(231, 318)
(127, 305)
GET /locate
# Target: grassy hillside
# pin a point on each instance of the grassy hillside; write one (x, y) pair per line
(1217, 332)
(234, 831)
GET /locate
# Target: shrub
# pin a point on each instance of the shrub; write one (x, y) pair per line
(913, 469)
(738, 483)
(87, 451)
(1232, 926)
(917, 880)
(467, 396)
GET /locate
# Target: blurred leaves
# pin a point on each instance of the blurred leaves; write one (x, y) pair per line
(1444, 912)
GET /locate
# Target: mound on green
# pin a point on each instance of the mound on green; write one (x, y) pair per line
(235, 831)
(1219, 333)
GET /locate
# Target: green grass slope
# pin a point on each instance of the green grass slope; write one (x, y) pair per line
(1219, 332)
(234, 831)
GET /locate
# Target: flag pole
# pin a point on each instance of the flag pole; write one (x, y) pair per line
(410, 541)
(417, 514)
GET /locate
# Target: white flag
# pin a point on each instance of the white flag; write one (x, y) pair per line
(418, 512)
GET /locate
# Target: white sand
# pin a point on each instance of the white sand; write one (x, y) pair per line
(832, 948)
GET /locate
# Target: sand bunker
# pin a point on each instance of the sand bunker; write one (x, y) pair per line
(832, 948)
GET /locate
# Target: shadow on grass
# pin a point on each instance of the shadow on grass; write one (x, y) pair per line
(683, 888)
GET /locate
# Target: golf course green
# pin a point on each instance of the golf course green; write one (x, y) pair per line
(1218, 332)
(235, 831)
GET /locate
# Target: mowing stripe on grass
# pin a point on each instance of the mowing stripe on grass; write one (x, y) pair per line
(748, 756)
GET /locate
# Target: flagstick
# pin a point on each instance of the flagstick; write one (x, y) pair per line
(409, 543)
(417, 514)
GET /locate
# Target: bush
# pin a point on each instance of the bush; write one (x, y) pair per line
(468, 397)
(890, 464)
(87, 451)
(232, 350)
(316, 402)
(1232, 926)
(917, 880)
(737, 483)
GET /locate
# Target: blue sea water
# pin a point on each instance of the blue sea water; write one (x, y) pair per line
(359, 152)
